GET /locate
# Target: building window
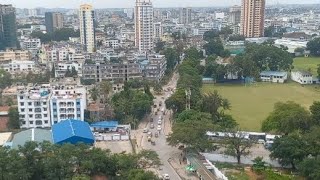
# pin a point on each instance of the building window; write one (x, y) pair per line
(22, 109)
(30, 115)
(30, 110)
(29, 103)
(44, 103)
(78, 103)
(38, 122)
(46, 122)
(22, 104)
(54, 104)
(23, 122)
(55, 116)
(45, 115)
(21, 97)
(44, 109)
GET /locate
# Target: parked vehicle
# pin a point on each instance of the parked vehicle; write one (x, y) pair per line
(166, 177)
(151, 126)
(149, 138)
(153, 142)
(150, 134)
(156, 135)
(159, 122)
(159, 128)
(145, 130)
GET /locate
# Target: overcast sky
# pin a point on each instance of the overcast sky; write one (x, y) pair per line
(130, 3)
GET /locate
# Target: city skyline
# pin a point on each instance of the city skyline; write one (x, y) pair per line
(73, 4)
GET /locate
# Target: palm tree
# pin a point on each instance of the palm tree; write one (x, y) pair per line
(94, 92)
(105, 88)
(214, 104)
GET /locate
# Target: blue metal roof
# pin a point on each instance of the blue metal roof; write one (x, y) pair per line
(72, 131)
(273, 73)
(105, 124)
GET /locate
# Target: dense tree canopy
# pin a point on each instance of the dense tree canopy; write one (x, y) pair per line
(14, 120)
(289, 150)
(58, 35)
(314, 47)
(5, 79)
(172, 58)
(286, 118)
(131, 102)
(46, 161)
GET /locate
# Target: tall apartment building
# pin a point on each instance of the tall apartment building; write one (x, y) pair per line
(33, 106)
(185, 16)
(8, 28)
(157, 31)
(87, 31)
(252, 18)
(67, 102)
(45, 105)
(235, 15)
(156, 67)
(53, 21)
(143, 25)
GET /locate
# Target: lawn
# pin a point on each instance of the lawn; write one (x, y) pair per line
(302, 63)
(250, 105)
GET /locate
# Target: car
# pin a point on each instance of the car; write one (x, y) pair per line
(150, 134)
(160, 117)
(159, 128)
(159, 122)
(151, 126)
(145, 130)
(156, 113)
(261, 141)
(153, 142)
(166, 177)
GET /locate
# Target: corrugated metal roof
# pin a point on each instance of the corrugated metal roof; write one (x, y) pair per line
(37, 135)
(72, 131)
(273, 73)
(105, 124)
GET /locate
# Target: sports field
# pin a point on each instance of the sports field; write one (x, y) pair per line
(250, 105)
(302, 63)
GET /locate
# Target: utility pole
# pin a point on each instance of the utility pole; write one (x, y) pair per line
(188, 98)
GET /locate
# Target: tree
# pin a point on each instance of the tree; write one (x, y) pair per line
(53, 72)
(5, 79)
(214, 104)
(159, 46)
(318, 70)
(310, 168)
(192, 133)
(286, 118)
(315, 112)
(172, 58)
(71, 73)
(177, 102)
(44, 37)
(210, 35)
(157, 88)
(214, 47)
(139, 174)
(193, 54)
(148, 158)
(289, 150)
(237, 145)
(105, 89)
(258, 164)
(95, 94)
(14, 121)
(314, 47)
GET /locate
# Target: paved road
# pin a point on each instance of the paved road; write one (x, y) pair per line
(164, 151)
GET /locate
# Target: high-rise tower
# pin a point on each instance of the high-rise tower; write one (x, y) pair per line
(143, 16)
(53, 21)
(252, 18)
(8, 28)
(87, 32)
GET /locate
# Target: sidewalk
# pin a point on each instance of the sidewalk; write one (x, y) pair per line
(179, 166)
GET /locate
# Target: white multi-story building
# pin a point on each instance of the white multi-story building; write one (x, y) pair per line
(87, 32)
(144, 25)
(33, 106)
(62, 68)
(157, 31)
(17, 66)
(67, 102)
(30, 44)
(44, 105)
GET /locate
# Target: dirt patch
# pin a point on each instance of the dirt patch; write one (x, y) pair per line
(252, 175)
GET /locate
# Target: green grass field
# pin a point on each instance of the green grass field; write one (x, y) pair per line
(302, 63)
(250, 105)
